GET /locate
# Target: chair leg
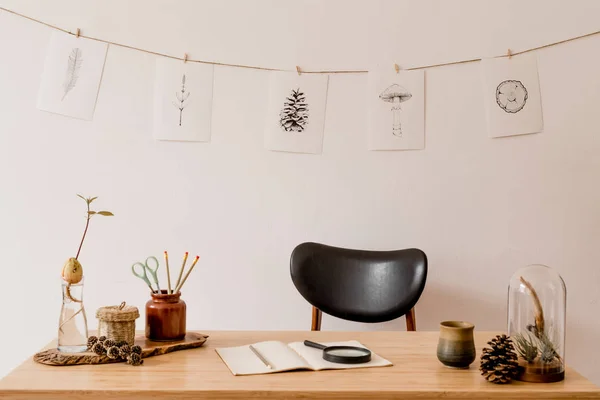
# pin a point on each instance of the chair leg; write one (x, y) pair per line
(316, 319)
(411, 320)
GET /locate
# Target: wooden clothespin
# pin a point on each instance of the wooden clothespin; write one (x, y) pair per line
(185, 57)
(77, 33)
(397, 68)
(298, 69)
(509, 54)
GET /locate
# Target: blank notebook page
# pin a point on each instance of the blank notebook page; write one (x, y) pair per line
(315, 356)
(242, 361)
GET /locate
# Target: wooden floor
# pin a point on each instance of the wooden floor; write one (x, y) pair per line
(200, 374)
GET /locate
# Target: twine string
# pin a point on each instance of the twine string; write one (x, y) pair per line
(185, 59)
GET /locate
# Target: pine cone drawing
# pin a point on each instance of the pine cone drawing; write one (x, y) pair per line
(499, 363)
(294, 115)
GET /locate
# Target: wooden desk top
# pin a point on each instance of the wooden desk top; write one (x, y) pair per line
(200, 374)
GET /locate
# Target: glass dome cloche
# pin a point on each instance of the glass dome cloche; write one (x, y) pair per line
(536, 323)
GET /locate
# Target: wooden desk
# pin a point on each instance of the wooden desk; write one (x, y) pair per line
(200, 374)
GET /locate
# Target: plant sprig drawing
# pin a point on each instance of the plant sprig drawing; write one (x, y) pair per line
(73, 66)
(294, 115)
(181, 97)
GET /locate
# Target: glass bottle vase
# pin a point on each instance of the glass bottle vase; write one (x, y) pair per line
(72, 325)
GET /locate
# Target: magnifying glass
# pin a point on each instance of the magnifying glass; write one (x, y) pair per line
(342, 354)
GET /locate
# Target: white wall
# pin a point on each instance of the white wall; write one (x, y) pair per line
(480, 208)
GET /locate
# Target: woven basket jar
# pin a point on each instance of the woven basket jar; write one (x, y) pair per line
(118, 322)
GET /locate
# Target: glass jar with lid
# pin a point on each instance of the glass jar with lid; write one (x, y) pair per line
(536, 323)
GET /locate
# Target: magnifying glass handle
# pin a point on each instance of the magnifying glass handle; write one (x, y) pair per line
(315, 345)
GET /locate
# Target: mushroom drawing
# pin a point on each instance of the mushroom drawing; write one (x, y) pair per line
(395, 94)
(511, 96)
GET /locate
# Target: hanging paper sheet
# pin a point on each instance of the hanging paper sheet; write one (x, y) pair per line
(396, 109)
(72, 75)
(183, 94)
(512, 98)
(296, 112)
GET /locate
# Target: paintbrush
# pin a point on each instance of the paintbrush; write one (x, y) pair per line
(178, 288)
(168, 272)
(181, 272)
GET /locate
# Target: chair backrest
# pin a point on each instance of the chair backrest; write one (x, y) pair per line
(359, 285)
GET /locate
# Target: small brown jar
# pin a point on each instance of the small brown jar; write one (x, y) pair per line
(165, 317)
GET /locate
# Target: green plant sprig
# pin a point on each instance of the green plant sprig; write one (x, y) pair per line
(90, 214)
(526, 347)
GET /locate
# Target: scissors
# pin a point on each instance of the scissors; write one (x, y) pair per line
(146, 269)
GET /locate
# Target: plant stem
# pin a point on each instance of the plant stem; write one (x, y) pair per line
(87, 223)
(70, 318)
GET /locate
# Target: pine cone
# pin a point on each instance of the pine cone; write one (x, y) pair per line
(108, 343)
(98, 348)
(125, 350)
(135, 359)
(102, 338)
(499, 363)
(113, 352)
(121, 343)
(136, 349)
(91, 342)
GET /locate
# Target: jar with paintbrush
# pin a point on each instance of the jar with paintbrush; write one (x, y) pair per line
(165, 311)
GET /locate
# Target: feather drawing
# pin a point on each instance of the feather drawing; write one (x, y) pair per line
(73, 67)
(181, 97)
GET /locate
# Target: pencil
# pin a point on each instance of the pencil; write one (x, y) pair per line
(168, 273)
(187, 274)
(260, 356)
(181, 272)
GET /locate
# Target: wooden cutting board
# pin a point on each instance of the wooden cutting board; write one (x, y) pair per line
(149, 349)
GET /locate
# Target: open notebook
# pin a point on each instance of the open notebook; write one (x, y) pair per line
(287, 357)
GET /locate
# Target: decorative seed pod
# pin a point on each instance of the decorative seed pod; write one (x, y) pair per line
(499, 363)
(98, 348)
(108, 343)
(122, 343)
(72, 271)
(136, 349)
(135, 359)
(102, 338)
(92, 340)
(113, 352)
(125, 350)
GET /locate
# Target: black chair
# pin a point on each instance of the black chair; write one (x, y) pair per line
(359, 285)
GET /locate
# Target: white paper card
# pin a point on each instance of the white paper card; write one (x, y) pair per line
(183, 94)
(296, 112)
(396, 109)
(72, 75)
(512, 97)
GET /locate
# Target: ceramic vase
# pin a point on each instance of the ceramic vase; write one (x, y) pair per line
(456, 347)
